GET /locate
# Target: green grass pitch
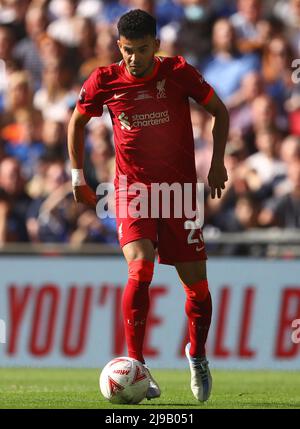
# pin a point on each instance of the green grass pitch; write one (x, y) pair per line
(78, 388)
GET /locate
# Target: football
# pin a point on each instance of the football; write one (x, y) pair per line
(124, 381)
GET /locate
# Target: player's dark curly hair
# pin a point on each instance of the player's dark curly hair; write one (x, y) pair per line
(137, 24)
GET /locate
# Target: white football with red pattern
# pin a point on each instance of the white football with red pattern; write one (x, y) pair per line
(124, 381)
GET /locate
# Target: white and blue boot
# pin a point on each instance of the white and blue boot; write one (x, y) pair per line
(201, 380)
(153, 390)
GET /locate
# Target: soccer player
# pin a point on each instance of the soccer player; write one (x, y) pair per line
(148, 100)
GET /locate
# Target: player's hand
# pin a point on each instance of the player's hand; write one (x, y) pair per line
(84, 194)
(217, 177)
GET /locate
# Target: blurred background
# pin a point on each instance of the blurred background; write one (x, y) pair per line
(66, 311)
(246, 49)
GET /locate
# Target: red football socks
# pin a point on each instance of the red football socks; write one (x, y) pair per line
(199, 318)
(135, 305)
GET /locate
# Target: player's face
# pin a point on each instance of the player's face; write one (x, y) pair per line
(138, 54)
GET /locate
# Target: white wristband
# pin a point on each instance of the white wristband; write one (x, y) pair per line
(77, 177)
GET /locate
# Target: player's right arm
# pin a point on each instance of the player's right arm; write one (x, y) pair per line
(89, 104)
(81, 191)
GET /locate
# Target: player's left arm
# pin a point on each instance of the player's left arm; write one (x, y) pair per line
(194, 85)
(217, 174)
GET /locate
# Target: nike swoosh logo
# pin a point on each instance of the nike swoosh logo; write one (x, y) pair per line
(116, 96)
(198, 249)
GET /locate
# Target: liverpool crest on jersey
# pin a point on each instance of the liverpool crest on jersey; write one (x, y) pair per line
(161, 90)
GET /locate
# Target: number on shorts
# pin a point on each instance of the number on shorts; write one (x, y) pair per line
(189, 224)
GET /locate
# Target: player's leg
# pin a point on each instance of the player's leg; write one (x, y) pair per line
(140, 257)
(137, 237)
(198, 309)
(198, 305)
(180, 243)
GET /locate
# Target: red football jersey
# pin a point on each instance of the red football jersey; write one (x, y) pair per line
(150, 116)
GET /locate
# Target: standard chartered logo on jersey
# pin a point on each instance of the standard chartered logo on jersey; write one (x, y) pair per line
(140, 120)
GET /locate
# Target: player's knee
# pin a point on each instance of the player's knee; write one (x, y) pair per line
(141, 270)
(198, 291)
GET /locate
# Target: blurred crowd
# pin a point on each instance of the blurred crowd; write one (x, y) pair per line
(248, 50)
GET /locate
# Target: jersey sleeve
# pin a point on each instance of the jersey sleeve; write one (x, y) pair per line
(194, 84)
(90, 100)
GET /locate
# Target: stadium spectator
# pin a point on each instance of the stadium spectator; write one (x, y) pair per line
(50, 49)
(19, 97)
(226, 61)
(276, 71)
(6, 43)
(239, 105)
(289, 12)
(24, 140)
(91, 229)
(13, 13)
(165, 10)
(170, 44)
(105, 51)
(224, 8)
(292, 105)
(90, 8)
(284, 211)
(51, 217)
(35, 186)
(290, 149)
(146, 5)
(242, 217)
(6, 59)
(289, 152)
(64, 27)
(14, 202)
(168, 11)
(86, 34)
(265, 164)
(53, 97)
(263, 116)
(53, 138)
(101, 154)
(237, 185)
(196, 29)
(27, 50)
(251, 31)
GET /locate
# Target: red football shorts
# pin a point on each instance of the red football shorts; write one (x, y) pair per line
(176, 239)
